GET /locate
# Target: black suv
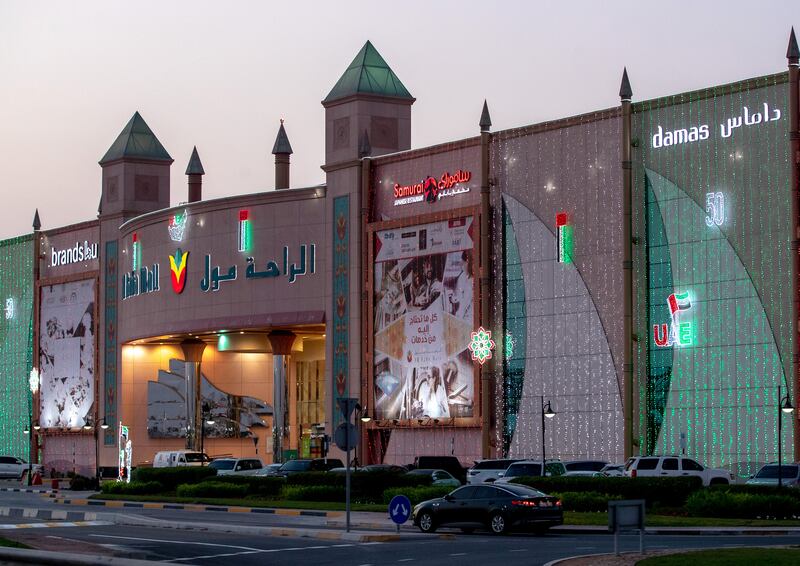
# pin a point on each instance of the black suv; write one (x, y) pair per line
(315, 465)
(448, 463)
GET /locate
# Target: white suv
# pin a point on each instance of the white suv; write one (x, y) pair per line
(11, 467)
(675, 466)
(487, 470)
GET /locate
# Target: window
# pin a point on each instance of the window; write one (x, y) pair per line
(493, 465)
(669, 464)
(485, 492)
(6, 460)
(647, 464)
(464, 493)
(518, 470)
(255, 465)
(691, 465)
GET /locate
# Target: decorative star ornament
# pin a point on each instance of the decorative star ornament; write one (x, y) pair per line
(481, 345)
(34, 379)
(509, 345)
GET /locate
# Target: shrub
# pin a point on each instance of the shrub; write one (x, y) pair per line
(265, 487)
(417, 494)
(364, 486)
(133, 488)
(718, 503)
(212, 489)
(588, 501)
(758, 490)
(655, 491)
(82, 483)
(314, 493)
(171, 478)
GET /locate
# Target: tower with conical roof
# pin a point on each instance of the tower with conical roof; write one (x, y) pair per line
(135, 172)
(368, 97)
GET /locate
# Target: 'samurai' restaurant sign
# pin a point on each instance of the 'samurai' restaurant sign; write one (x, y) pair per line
(432, 189)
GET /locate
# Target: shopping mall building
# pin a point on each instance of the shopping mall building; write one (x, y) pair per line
(635, 266)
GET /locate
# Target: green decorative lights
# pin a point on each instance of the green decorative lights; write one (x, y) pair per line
(16, 344)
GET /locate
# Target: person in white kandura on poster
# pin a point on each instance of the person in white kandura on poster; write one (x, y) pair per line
(461, 295)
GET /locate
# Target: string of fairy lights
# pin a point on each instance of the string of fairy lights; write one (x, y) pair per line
(16, 344)
(713, 211)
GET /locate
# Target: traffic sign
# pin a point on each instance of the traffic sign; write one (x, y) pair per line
(341, 434)
(400, 509)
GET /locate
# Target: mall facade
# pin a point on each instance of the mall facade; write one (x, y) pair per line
(635, 267)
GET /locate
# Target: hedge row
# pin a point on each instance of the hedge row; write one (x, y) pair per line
(718, 503)
(417, 494)
(212, 489)
(314, 493)
(671, 492)
(364, 486)
(585, 501)
(171, 478)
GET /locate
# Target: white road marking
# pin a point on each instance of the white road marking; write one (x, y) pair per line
(180, 542)
(519, 550)
(406, 560)
(459, 554)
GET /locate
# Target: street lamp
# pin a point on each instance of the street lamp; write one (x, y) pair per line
(363, 417)
(784, 406)
(548, 412)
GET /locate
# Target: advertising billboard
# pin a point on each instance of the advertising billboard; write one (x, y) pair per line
(424, 312)
(67, 353)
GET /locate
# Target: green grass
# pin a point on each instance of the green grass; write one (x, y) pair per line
(12, 543)
(653, 520)
(728, 557)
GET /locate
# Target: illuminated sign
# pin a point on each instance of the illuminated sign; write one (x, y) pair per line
(76, 254)
(481, 345)
(145, 280)
(245, 231)
(715, 209)
(678, 333)
(177, 226)
(726, 129)
(432, 189)
(177, 266)
(125, 451)
(564, 238)
(136, 256)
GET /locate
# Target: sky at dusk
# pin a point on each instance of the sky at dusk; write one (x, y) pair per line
(220, 75)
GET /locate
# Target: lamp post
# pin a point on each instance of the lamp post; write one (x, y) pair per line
(363, 418)
(784, 406)
(548, 412)
(208, 419)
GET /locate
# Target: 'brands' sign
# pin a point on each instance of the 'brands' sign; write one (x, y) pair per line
(78, 253)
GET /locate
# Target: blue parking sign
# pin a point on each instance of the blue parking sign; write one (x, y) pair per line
(400, 509)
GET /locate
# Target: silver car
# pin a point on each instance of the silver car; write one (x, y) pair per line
(12, 467)
(768, 475)
(488, 470)
(237, 466)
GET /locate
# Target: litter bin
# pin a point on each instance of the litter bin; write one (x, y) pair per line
(54, 483)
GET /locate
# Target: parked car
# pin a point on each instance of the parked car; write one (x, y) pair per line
(448, 463)
(611, 471)
(237, 466)
(315, 465)
(488, 470)
(173, 458)
(269, 470)
(768, 475)
(533, 468)
(13, 467)
(675, 466)
(496, 507)
(586, 468)
(438, 477)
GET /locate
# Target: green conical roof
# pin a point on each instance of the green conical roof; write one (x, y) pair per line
(136, 141)
(368, 74)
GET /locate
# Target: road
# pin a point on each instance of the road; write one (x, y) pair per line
(204, 547)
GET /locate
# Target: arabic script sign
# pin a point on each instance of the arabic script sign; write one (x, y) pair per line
(432, 189)
(726, 129)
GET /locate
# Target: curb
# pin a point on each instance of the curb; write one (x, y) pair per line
(321, 534)
(47, 514)
(29, 490)
(55, 525)
(192, 507)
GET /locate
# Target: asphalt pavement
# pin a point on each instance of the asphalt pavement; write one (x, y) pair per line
(231, 536)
